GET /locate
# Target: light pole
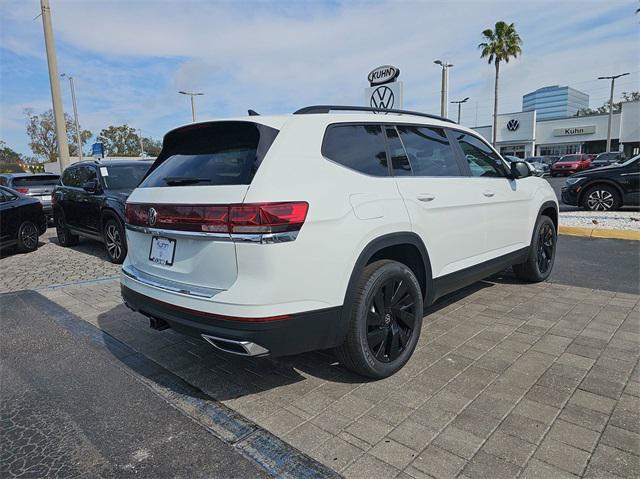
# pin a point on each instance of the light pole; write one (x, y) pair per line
(75, 115)
(141, 144)
(444, 92)
(613, 81)
(58, 112)
(193, 104)
(460, 102)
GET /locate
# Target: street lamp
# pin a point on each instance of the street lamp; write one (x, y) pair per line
(193, 105)
(460, 102)
(613, 81)
(444, 92)
(75, 115)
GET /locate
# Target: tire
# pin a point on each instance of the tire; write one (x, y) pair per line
(542, 252)
(386, 312)
(65, 237)
(114, 241)
(601, 198)
(27, 237)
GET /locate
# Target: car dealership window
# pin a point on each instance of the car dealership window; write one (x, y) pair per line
(481, 158)
(359, 147)
(429, 151)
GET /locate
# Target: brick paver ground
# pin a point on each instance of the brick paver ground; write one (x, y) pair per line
(50, 264)
(508, 380)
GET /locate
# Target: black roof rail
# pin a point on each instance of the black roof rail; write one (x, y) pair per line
(328, 108)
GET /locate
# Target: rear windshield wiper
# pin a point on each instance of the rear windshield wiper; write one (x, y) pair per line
(184, 180)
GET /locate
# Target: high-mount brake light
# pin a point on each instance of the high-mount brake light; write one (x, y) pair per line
(251, 218)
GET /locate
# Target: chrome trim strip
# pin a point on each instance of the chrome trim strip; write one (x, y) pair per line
(168, 285)
(259, 238)
(180, 234)
(252, 349)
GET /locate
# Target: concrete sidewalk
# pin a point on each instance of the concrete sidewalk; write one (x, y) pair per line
(508, 380)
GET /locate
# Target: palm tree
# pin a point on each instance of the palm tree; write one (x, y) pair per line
(500, 45)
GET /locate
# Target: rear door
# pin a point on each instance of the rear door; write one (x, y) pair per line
(506, 203)
(69, 194)
(442, 206)
(200, 167)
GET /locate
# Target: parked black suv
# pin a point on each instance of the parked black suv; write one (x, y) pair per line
(606, 188)
(89, 201)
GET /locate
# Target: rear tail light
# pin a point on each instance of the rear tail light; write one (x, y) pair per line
(22, 189)
(253, 218)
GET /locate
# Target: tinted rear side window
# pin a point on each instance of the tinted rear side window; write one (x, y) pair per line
(359, 147)
(429, 151)
(36, 180)
(218, 153)
(71, 177)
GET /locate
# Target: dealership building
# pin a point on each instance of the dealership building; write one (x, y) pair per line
(522, 134)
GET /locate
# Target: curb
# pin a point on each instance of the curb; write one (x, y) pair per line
(632, 235)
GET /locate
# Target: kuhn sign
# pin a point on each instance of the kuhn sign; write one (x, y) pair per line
(383, 74)
(574, 130)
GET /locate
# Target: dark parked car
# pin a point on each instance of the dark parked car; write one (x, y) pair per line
(569, 164)
(607, 158)
(38, 185)
(89, 201)
(21, 220)
(606, 188)
(546, 159)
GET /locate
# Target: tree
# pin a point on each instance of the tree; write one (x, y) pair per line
(617, 106)
(152, 147)
(120, 141)
(500, 45)
(10, 160)
(42, 135)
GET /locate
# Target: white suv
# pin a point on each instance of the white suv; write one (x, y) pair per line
(283, 234)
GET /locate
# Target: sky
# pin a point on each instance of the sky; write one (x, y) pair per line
(130, 58)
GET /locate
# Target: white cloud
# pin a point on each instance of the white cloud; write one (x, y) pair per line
(276, 56)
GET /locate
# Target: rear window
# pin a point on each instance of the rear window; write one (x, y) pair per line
(359, 147)
(123, 177)
(36, 180)
(218, 153)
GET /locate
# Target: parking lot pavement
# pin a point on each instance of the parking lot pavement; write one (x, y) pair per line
(69, 409)
(508, 378)
(52, 265)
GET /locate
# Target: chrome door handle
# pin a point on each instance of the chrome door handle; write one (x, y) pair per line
(425, 197)
(488, 194)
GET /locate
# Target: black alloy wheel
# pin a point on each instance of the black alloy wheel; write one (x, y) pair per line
(390, 320)
(385, 320)
(546, 240)
(27, 237)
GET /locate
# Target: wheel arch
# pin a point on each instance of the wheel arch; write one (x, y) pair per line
(109, 213)
(550, 209)
(401, 247)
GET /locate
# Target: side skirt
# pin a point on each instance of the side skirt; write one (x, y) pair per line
(454, 281)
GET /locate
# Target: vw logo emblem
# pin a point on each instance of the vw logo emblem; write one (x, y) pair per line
(513, 125)
(382, 97)
(152, 216)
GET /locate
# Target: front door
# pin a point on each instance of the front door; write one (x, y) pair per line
(441, 206)
(507, 204)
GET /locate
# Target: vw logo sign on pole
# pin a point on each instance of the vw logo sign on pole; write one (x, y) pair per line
(385, 92)
(513, 125)
(382, 97)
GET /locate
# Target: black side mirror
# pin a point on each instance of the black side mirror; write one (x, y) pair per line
(519, 169)
(90, 186)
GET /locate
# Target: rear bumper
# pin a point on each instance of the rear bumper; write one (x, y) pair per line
(296, 333)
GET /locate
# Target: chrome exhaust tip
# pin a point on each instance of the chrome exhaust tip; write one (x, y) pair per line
(241, 348)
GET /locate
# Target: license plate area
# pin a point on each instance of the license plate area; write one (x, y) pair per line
(162, 250)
